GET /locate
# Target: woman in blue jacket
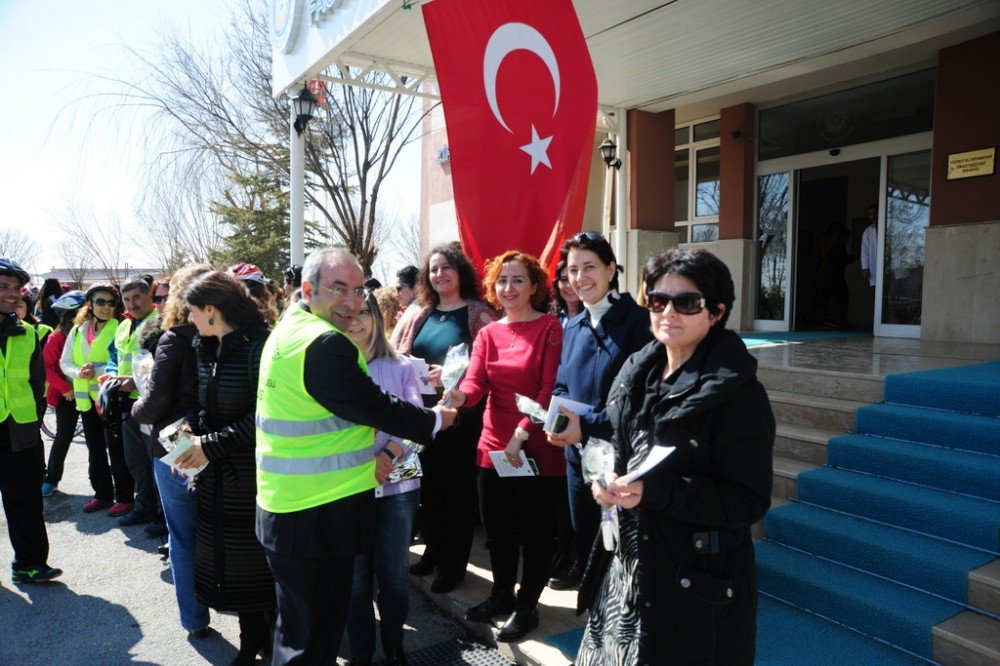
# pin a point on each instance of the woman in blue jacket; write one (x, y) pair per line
(596, 343)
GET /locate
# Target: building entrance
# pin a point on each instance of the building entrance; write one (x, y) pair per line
(832, 205)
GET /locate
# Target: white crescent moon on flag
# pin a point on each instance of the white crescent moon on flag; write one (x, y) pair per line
(508, 38)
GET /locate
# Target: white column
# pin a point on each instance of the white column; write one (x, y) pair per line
(621, 197)
(296, 180)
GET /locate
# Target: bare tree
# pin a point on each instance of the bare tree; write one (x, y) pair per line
(75, 258)
(101, 245)
(16, 245)
(179, 226)
(212, 117)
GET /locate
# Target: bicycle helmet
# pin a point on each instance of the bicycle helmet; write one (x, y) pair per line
(11, 267)
(101, 286)
(72, 300)
(246, 272)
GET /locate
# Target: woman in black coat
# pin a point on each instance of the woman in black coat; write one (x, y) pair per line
(231, 571)
(681, 584)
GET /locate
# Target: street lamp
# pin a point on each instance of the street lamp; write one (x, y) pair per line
(304, 105)
(608, 153)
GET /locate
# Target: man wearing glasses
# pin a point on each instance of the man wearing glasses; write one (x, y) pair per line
(317, 411)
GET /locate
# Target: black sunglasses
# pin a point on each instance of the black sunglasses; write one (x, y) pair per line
(687, 302)
(159, 299)
(587, 235)
(101, 303)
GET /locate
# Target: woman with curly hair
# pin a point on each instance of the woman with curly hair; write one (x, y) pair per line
(517, 354)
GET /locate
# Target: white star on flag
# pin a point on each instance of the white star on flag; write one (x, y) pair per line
(537, 149)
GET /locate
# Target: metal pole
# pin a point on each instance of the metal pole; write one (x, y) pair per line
(621, 200)
(296, 180)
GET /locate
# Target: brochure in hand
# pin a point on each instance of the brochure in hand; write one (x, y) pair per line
(176, 441)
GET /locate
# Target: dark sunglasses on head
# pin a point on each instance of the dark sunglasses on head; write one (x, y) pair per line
(159, 299)
(687, 302)
(587, 235)
(102, 303)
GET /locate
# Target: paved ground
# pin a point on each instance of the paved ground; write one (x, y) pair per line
(115, 603)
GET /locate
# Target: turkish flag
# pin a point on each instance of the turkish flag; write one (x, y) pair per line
(520, 103)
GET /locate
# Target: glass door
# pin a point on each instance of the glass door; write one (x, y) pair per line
(904, 215)
(773, 251)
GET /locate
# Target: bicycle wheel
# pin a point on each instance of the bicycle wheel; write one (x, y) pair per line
(49, 422)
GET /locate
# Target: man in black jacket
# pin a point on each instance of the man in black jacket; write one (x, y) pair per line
(22, 456)
(312, 533)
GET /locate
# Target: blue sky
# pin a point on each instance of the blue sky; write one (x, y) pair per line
(57, 149)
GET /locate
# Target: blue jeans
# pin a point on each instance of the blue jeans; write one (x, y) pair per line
(389, 562)
(180, 508)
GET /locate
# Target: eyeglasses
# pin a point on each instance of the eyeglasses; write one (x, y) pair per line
(101, 303)
(587, 235)
(159, 299)
(687, 302)
(341, 290)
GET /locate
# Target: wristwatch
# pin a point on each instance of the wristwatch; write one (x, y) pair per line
(521, 434)
(386, 452)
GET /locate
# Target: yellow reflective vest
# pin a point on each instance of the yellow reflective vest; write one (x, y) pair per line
(16, 397)
(127, 344)
(306, 455)
(85, 390)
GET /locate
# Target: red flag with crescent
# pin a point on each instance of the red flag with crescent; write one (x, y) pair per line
(520, 103)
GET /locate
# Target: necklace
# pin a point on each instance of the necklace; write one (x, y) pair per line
(514, 332)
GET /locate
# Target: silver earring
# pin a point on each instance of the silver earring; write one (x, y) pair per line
(211, 321)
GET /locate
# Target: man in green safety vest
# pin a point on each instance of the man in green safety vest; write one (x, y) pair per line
(22, 457)
(317, 411)
(138, 302)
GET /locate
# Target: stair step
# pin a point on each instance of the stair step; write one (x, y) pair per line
(959, 471)
(802, 442)
(758, 530)
(787, 636)
(924, 562)
(965, 520)
(931, 426)
(984, 587)
(968, 639)
(786, 474)
(883, 609)
(818, 412)
(971, 389)
(825, 383)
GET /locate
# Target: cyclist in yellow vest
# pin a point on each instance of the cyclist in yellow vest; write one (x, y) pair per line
(22, 404)
(138, 300)
(317, 411)
(85, 357)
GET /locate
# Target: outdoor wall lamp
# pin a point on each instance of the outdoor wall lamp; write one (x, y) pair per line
(304, 105)
(608, 153)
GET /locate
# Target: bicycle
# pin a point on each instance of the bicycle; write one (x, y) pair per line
(49, 424)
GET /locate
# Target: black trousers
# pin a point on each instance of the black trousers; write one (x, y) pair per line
(520, 513)
(21, 489)
(66, 418)
(314, 595)
(140, 466)
(110, 482)
(448, 494)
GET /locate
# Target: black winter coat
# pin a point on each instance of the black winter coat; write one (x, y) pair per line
(231, 571)
(697, 584)
(172, 387)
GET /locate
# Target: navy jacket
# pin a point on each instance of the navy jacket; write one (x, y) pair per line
(592, 357)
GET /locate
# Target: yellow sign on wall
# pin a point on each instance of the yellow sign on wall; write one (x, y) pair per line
(972, 163)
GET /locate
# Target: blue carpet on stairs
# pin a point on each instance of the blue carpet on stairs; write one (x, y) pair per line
(568, 642)
(971, 389)
(940, 428)
(790, 637)
(966, 520)
(966, 472)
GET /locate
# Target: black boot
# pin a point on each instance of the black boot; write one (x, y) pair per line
(523, 620)
(500, 602)
(254, 635)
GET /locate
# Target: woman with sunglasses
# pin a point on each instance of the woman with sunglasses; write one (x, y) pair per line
(84, 357)
(451, 312)
(681, 586)
(395, 506)
(161, 290)
(610, 328)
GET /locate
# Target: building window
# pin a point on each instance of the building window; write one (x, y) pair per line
(696, 181)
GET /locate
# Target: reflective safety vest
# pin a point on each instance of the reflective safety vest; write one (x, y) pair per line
(127, 344)
(85, 390)
(16, 397)
(306, 455)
